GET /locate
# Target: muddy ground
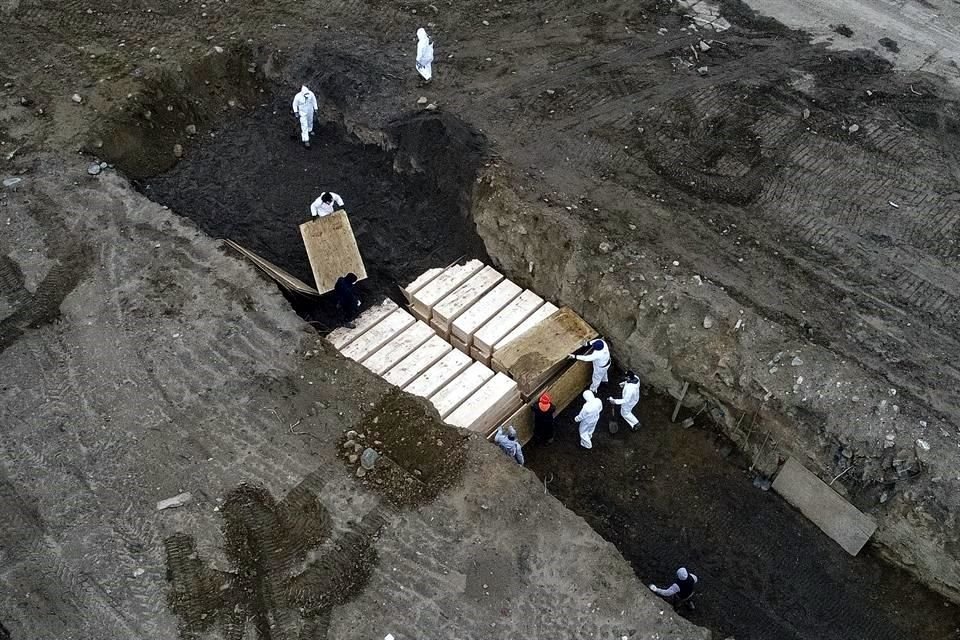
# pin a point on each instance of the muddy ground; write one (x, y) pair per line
(802, 199)
(669, 496)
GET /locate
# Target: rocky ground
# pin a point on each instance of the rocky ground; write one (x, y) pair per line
(771, 221)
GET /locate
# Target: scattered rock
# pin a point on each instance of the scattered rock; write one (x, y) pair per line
(703, 70)
(422, 100)
(94, 168)
(25, 101)
(77, 98)
(178, 150)
(485, 23)
(431, 107)
(349, 443)
(796, 362)
(218, 49)
(175, 501)
(361, 472)
(351, 434)
(138, 572)
(604, 247)
(191, 129)
(884, 497)
(704, 46)
(12, 182)
(352, 458)
(806, 113)
(369, 458)
(762, 483)
(551, 92)
(889, 44)
(854, 128)
(707, 322)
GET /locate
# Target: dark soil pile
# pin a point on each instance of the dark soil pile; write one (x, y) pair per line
(253, 183)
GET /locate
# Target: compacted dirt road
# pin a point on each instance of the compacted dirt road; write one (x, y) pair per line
(626, 159)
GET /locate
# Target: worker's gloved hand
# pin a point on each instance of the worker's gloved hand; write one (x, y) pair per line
(571, 357)
(610, 399)
(358, 302)
(653, 587)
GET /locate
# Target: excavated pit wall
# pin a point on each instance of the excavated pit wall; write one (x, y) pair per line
(657, 315)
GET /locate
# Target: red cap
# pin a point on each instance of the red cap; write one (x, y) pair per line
(545, 401)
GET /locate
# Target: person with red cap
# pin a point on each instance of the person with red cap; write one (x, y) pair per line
(543, 414)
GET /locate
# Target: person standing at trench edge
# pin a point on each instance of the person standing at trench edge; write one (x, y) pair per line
(629, 398)
(588, 417)
(544, 412)
(347, 299)
(600, 357)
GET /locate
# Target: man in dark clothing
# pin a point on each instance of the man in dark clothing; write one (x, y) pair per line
(347, 299)
(543, 414)
(680, 591)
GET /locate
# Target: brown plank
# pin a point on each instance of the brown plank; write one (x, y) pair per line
(331, 249)
(537, 355)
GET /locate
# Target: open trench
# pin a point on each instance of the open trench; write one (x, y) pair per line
(665, 496)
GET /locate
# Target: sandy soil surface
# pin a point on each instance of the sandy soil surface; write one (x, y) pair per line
(644, 170)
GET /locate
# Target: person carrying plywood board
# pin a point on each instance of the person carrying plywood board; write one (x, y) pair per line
(600, 357)
(327, 203)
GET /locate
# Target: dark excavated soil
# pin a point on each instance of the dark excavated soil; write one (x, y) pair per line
(669, 497)
(253, 183)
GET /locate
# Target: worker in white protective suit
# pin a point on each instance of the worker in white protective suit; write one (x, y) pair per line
(327, 203)
(629, 397)
(305, 108)
(506, 439)
(588, 417)
(424, 54)
(600, 357)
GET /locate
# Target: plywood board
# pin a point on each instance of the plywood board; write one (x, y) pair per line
(425, 278)
(840, 520)
(378, 335)
(534, 357)
(398, 348)
(438, 288)
(282, 277)
(438, 375)
(460, 388)
(519, 309)
(487, 306)
(331, 249)
(567, 388)
(343, 336)
(535, 318)
(460, 299)
(496, 397)
(418, 361)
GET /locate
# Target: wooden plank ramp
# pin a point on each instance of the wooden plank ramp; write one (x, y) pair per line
(282, 277)
(440, 286)
(332, 249)
(438, 375)
(539, 353)
(487, 306)
(841, 521)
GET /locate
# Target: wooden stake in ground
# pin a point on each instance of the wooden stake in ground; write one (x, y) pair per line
(614, 424)
(676, 409)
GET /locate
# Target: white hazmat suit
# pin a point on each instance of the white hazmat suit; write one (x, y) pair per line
(507, 440)
(600, 357)
(424, 54)
(305, 108)
(588, 417)
(629, 398)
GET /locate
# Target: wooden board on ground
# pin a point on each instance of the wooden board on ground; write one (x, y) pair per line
(424, 279)
(282, 277)
(565, 389)
(331, 249)
(418, 361)
(460, 388)
(486, 307)
(537, 355)
(840, 520)
(395, 350)
(438, 287)
(497, 328)
(461, 298)
(535, 318)
(439, 374)
(497, 397)
(343, 336)
(378, 335)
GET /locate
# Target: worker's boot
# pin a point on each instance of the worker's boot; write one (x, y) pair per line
(306, 144)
